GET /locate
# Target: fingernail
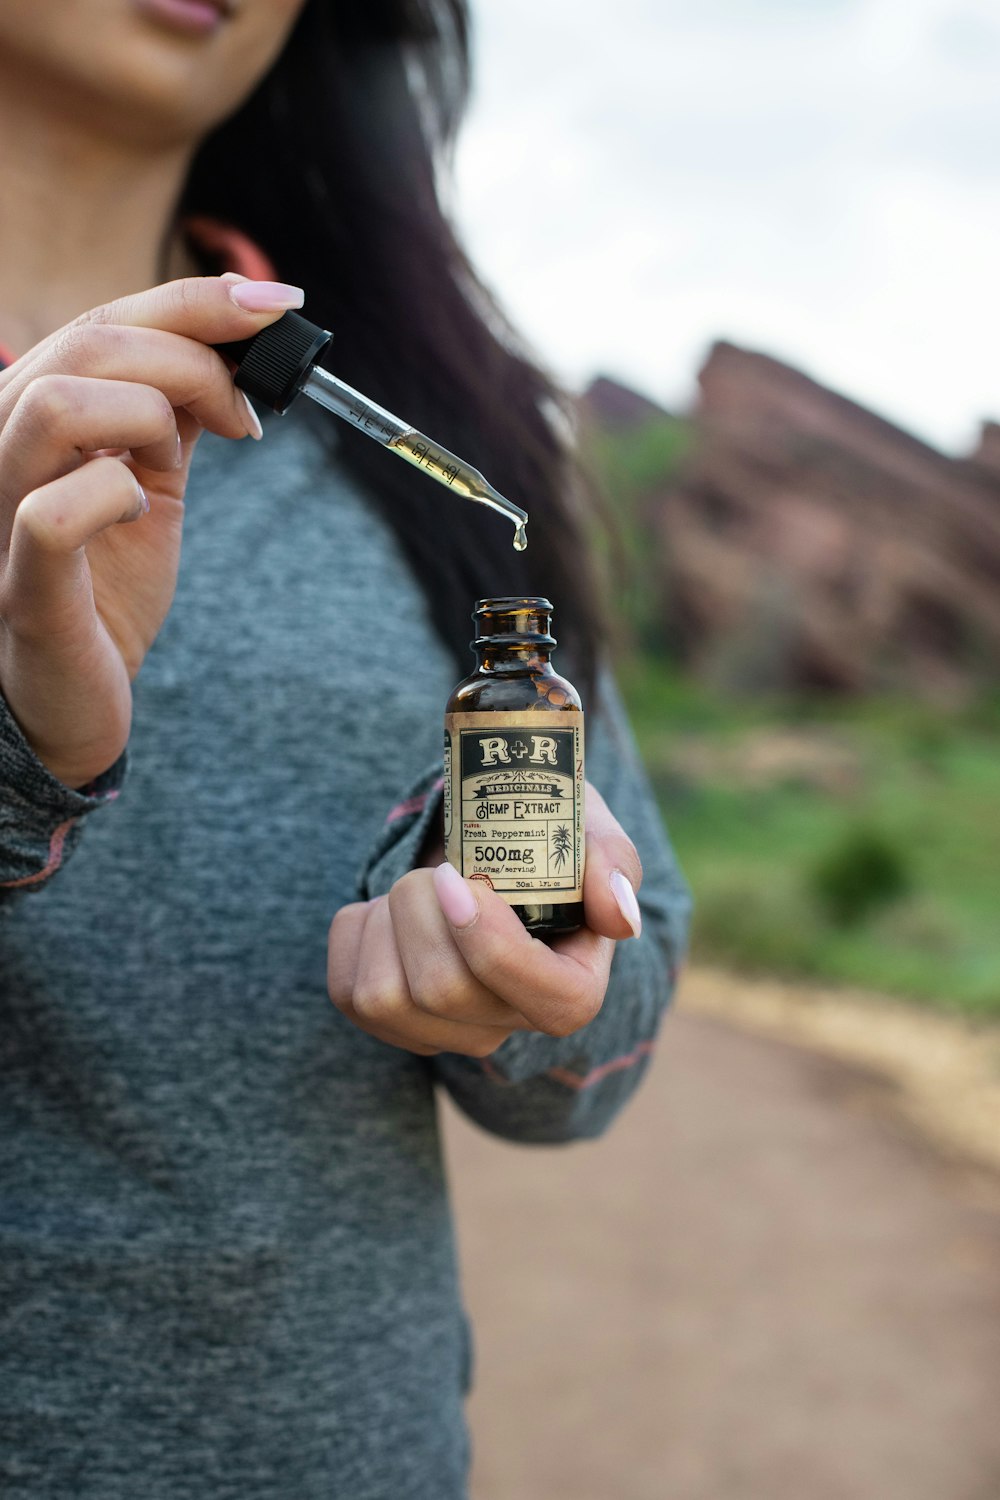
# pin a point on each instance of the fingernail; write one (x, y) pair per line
(455, 896)
(253, 421)
(266, 296)
(621, 889)
(143, 499)
(179, 455)
(233, 276)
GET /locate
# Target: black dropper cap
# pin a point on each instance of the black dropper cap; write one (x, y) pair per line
(274, 363)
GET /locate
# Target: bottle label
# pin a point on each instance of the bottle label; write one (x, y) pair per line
(513, 803)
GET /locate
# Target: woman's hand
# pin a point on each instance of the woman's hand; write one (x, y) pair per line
(442, 964)
(98, 424)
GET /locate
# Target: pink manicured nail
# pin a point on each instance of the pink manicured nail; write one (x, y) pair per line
(624, 895)
(266, 296)
(143, 499)
(253, 421)
(457, 901)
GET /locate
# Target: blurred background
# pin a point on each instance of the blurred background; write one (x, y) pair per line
(758, 240)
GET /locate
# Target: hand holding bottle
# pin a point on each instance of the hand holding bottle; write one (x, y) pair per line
(443, 964)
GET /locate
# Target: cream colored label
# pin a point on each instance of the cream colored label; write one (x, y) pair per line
(513, 803)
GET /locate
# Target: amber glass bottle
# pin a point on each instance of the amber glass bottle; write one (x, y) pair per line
(514, 777)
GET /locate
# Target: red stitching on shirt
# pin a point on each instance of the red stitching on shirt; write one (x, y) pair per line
(587, 1080)
(573, 1080)
(494, 1074)
(56, 845)
(413, 804)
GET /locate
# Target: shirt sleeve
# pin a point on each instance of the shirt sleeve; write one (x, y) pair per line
(40, 818)
(542, 1089)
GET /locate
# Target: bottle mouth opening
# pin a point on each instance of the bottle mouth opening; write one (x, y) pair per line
(519, 620)
(514, 604)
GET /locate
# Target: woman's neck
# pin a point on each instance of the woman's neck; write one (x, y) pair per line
(83, 220)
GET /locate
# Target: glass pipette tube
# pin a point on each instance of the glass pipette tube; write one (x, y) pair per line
(280, 363)
(377, 423)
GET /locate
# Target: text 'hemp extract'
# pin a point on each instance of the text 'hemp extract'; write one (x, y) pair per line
(513, 769)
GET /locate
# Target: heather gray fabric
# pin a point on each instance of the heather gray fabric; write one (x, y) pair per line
(226, 1258)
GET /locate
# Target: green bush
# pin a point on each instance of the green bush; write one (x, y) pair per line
(860, 874)
(757, 925)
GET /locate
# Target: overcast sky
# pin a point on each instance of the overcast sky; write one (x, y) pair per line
(814, 178)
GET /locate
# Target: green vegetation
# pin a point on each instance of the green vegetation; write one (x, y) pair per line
(629, 466)
(862, 872)
(637, 460)
(852, 842)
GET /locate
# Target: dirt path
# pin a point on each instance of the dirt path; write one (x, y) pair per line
(764, 1285)
(944, 1071)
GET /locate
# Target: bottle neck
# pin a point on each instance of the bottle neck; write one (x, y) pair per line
(512, 635)
(513, 659)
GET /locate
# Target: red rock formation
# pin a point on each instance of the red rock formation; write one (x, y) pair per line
(617, 406)
(810, 543)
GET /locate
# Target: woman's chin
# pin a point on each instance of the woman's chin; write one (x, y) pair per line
(158, 71)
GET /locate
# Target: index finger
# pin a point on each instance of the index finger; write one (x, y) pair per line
(208, 309)
(163, 338)
(556, 989)
(211, 309)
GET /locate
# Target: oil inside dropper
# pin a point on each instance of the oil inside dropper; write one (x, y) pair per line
(459, 476)
(420, 451)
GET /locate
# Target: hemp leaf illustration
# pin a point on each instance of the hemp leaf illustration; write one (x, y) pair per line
(562, 844)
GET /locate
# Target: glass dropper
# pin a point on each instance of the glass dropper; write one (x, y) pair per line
(280, 363)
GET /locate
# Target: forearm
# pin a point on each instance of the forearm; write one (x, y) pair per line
(539, 1088)
(547, 1090)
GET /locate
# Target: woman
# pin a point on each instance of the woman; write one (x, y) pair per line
(226, 1264)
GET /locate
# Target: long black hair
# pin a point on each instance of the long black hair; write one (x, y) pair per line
(332, 167)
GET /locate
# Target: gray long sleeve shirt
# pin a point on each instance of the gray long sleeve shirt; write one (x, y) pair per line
(226, 1260)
